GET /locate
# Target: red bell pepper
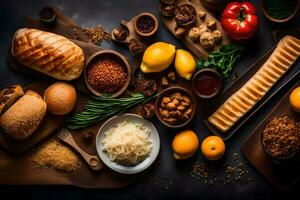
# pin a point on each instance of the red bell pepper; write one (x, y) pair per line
(239, 20)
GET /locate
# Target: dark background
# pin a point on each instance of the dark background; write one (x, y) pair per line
(108, 13)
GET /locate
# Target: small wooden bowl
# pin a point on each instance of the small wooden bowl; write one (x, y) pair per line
(149, 15)
(213, 73)
(272, 19)
(117, 56)
(173, 90)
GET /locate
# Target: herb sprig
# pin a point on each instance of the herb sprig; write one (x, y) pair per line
(98, 109)
(223, 60)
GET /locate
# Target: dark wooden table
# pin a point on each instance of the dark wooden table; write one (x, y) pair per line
(108, 13)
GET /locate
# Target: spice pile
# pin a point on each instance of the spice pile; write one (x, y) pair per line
(281, 136)
(106, 75)
(95, 34)
(54, 155)
(207, 172)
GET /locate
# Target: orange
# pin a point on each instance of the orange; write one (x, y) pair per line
(295, 99)
(185, 144)
(213, 148)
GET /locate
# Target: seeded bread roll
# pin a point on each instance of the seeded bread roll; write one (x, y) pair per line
(9, 96)
(48, 53)
(24, 117)
(281, 60)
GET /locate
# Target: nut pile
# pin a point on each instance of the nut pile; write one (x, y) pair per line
(281, 136)
(175, 108)
(106, 75)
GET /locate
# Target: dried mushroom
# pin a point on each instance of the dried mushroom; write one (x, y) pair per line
(194, 34)
(207, 40)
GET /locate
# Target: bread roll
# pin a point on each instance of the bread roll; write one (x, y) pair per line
(24, 117)
(283, 57)
(9, 96)
(60, 98)
(48, 53)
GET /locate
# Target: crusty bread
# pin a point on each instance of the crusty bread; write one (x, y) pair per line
(24, 117)
(9, 96)
(48, 53)
(283, 57)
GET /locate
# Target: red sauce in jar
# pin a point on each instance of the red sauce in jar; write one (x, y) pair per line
(207, 84)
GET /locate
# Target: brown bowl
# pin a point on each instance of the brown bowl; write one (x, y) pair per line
(189, 23)
(148, 15)
(272, 19)
(117, 56)
(211, 72)
(172, 90)
(278, 160)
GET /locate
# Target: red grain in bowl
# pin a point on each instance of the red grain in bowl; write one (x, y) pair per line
(106, 75)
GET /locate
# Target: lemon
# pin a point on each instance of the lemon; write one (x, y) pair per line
(158, 57)
(185, 144)
(185, 64)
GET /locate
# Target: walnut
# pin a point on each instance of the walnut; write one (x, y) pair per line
(120, 34)
(180, 32)
(211, 24)
(207, 40)
(201, 14)
(194, 34)
(217, 35)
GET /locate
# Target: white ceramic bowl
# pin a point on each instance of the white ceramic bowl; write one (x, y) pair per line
(124, 169)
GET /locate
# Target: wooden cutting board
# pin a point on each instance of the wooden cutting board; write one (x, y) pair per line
(16, 170)
(196, 48)
(282, 176)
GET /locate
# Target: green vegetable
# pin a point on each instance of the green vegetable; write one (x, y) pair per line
(223, 60)
(98, 109)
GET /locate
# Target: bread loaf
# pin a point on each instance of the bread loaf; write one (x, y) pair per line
(48, 53)
(9, 96)
(24, 117)
(283, 57)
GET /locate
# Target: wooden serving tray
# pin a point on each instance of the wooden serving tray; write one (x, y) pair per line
(192, 46)
(236, 85)
(49, 125)
(282, 176)
(15, 170)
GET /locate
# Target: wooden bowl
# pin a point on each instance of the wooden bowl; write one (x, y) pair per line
(278, 160)
(272, 19)
(149, 15)
(117, 56)
(173, 90)
(208, 71)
